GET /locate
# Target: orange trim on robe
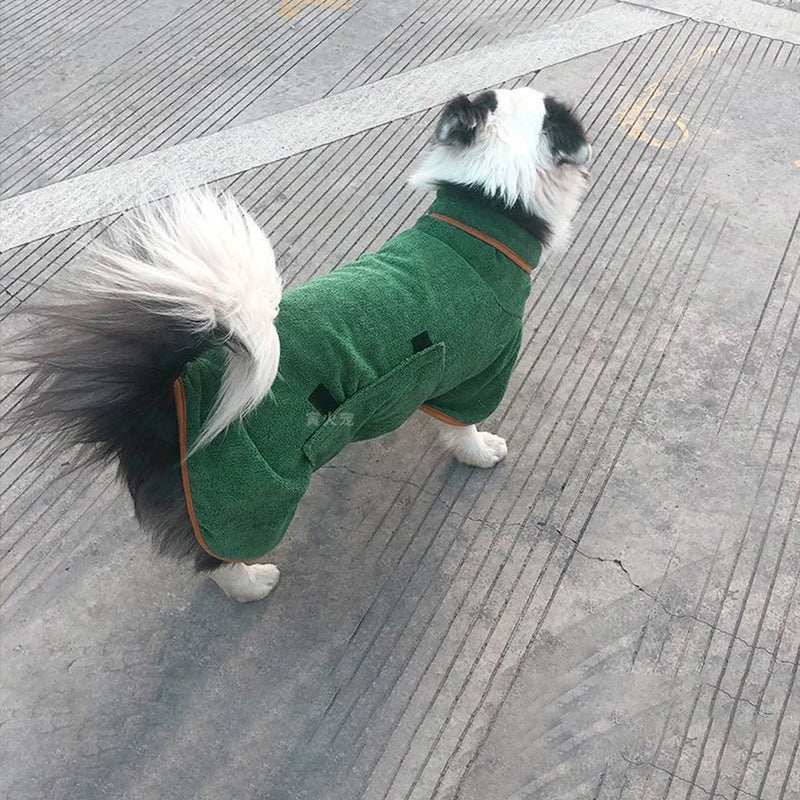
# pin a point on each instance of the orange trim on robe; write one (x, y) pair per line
(180, 413)
(442, 417)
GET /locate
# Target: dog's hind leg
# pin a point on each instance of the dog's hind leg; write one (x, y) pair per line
(471, 446)
(246, 582)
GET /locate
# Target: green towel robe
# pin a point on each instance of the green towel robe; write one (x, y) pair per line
(434, 317)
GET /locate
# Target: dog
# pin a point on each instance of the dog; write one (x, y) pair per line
(174, 352)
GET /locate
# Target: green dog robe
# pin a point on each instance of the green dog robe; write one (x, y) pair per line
(433, 319)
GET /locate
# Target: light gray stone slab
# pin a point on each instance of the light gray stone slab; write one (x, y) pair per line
(744, 15)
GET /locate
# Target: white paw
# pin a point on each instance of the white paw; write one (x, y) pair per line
(246, 582)
(484, 450)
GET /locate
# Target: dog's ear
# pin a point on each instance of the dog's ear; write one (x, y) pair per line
(462, 118)
(565, 133)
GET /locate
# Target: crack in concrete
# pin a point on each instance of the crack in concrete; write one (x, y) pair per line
(739, 698)
(631, 762)
(670, 612)
(545, 527)
(389, 478)
(743, 791)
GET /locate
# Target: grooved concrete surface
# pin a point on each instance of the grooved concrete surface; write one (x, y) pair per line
(611, 613)
(84, 88)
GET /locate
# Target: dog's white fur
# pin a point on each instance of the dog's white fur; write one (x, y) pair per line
(203, 260)
(502, 161)
(246, 582)
(471, 446)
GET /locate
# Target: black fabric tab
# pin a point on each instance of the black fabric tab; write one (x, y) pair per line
(421, 341)
(323, 400)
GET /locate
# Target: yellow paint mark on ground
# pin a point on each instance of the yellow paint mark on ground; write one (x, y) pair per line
(645, 109)
(289, 9)
(797, 163)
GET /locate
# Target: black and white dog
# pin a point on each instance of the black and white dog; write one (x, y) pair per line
(197, 272)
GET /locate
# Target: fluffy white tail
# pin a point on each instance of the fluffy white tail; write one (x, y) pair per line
(203, 262)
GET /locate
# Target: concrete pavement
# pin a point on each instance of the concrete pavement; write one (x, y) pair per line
(612, 612)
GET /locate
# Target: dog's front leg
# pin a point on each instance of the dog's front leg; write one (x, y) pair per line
(471, 446)
(246, 582)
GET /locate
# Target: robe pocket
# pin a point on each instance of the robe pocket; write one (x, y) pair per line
(380, 407)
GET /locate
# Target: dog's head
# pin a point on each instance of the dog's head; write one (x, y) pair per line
(519, 146)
